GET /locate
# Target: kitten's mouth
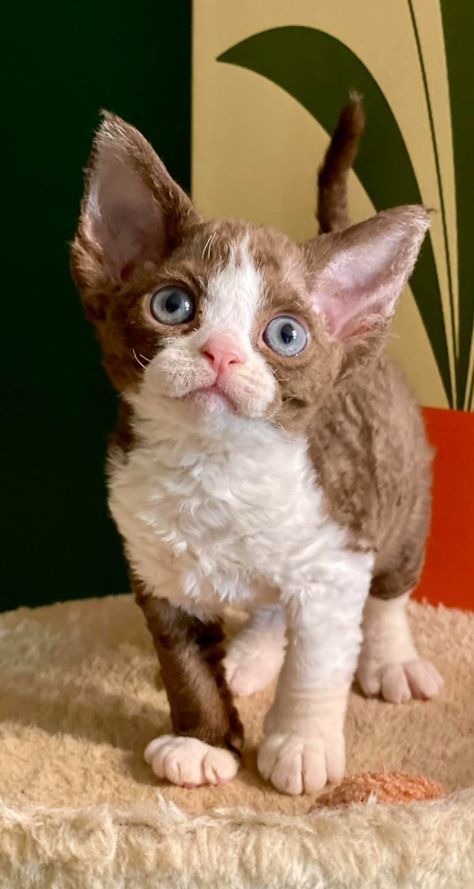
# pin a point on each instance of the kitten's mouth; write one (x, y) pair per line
(207, 394)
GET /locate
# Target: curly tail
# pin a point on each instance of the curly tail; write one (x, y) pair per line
(332, 213)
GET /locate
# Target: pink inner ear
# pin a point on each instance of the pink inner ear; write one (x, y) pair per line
(123, 219)
(352, 314)
(365, 269)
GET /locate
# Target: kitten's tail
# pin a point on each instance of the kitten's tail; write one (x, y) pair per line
(332, 213)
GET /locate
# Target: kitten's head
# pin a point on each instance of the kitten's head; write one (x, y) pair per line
(207, 320)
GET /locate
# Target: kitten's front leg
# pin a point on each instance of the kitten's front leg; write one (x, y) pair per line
(304, 745)
(208, 735)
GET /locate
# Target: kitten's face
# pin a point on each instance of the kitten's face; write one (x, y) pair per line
(225, 327)
(209, 321)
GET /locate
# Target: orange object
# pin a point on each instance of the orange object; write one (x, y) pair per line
(386, 787)
(448, 576)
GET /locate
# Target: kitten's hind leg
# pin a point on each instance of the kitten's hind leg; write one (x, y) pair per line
(256, 654)
(389, 664)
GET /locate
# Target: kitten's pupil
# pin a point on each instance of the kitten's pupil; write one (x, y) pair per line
(174, 302)
(288, 333)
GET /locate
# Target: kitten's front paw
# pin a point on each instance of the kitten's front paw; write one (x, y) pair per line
(296, 765)
(190, 762)
(399, 682)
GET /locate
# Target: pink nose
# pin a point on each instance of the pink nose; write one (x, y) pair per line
(222, 350)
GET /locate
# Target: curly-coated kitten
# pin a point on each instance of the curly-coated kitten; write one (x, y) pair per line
(269, 456)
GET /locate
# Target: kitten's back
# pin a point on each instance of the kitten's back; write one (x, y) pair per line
(369, 447)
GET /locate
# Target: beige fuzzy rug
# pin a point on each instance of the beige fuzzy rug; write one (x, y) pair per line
(80, 697)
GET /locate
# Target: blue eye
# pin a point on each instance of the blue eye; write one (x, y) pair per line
(286, 336)
(171, 305)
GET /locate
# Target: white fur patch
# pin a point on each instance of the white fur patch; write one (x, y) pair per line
(389, 663)
(190, 762)
(230, 519)
(234, 293)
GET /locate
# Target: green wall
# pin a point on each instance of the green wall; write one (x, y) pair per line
(65, 61)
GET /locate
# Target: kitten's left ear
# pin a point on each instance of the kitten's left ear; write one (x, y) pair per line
(132, 213)
(359, 273)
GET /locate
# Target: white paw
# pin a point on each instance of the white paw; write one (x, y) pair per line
(400, 682)
(247, 675)
(296, 765)
(255, 655)
(190, 762)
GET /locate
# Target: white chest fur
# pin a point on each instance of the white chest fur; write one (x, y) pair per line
(223, 520)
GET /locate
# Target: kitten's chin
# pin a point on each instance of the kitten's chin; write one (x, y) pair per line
(211, 411)
(207, 409)
(212, 400)
(213, 403)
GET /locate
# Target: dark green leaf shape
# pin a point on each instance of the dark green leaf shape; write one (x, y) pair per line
(319, 71)
(458, 27)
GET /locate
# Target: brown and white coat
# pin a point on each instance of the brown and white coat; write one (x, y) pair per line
(293, 487)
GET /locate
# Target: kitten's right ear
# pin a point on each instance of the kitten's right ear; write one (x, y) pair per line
(132, 212)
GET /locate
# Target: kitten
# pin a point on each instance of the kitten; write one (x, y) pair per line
(268, 456)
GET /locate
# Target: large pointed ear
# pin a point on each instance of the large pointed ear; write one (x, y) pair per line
(358, 274)
(132, 213)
